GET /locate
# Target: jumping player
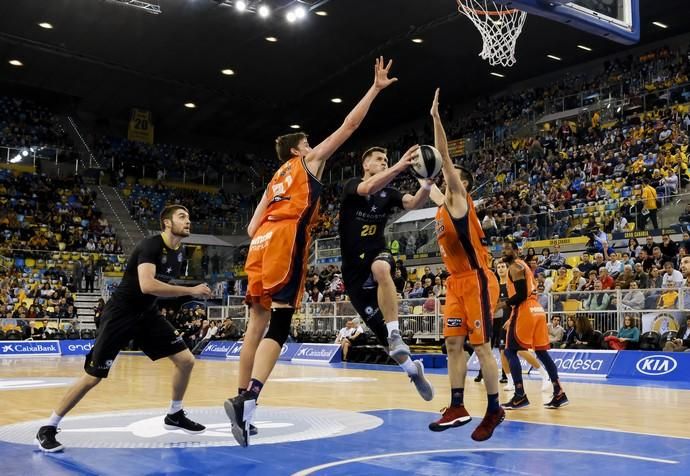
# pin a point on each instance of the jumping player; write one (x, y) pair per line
(277, 260)
(526, 329)
(368, 267)
(131, 313)
(472, 291)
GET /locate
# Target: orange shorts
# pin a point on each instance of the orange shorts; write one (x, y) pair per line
(470, 301)
(527, 329)
(276, 264)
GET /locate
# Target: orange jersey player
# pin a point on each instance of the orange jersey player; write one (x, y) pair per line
(472, 291)
(277, 260)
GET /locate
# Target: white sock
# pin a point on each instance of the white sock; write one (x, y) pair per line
(510, 379)
(392, 326)
(544, 374)
(409, 367)
(175, 406)
(54, 420)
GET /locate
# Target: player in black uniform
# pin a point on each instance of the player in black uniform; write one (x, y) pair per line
(368, 266)
(131, 313)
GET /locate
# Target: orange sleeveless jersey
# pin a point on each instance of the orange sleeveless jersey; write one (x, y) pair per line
(461, 242)
(292, 192)
(531, 283)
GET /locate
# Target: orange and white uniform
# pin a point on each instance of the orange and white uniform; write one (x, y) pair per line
(472, 288)
(277, 260)
(527, 327)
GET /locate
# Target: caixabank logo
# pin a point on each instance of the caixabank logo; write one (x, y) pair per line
(656, 365)
(29, 348)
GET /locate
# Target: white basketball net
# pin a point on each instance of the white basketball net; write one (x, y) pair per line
(499, 26)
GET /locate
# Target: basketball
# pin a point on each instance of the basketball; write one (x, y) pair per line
(427, 163)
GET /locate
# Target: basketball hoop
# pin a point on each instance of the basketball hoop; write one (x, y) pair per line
(499, 26)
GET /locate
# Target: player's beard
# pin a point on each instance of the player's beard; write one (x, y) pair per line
(508, 259)
(179, 230)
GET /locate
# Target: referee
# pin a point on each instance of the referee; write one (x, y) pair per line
(131, 313)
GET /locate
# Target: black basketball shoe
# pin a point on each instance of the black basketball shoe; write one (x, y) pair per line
(45, 438)
(240, 411)
(179, 421)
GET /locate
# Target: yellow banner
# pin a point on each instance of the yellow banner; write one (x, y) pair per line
(578, 240)
(140, 126)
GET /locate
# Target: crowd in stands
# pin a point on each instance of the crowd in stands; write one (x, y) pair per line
(38, 306)
(38, 212)
(25, 124)
(211, 210)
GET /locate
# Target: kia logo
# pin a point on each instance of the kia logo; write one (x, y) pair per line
(656, 365)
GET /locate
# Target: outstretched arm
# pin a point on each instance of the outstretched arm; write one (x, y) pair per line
(316, 159)
(453, 182)
(376, 183)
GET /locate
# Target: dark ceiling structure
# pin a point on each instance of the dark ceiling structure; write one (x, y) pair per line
(110, 58)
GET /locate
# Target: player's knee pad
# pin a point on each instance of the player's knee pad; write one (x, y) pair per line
(279, 327)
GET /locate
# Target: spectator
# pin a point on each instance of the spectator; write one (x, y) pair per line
(669, 297)
(555, 260)
(640, 276)
(568, 331)
(583, 336)
(649, 199)
(634, 248)
(634, 298)
(417, 290)
(624, 279)
(561, 281)
(607, 282)
(348, 336)
(655, 280)
(613, 265)
(597, 300)
(429, 306)
(556, 332)
(681, 343)
(428, 287)
(585, 264)
(668, 247)
(399, 281)
(628, 335)
(649, 245)
(671, 277)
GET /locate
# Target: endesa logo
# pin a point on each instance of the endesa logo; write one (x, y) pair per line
(76, 347)
(656, 365)
(284, 349)
(579, 364)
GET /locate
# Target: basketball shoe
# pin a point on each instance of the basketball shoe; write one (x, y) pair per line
(179, 421)
(396, 347)
(45, 438)
(241, 410)
(517, 402)
(451, 417)
(558, 401)
(489, 423)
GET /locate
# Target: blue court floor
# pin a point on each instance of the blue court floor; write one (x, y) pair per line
(398, 444)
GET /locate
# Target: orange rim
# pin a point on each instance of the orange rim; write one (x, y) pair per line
(488, 13)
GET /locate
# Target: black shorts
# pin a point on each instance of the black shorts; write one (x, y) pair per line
(362, 290)
(154, 335)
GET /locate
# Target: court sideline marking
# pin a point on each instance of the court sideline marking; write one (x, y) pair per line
(360, 459)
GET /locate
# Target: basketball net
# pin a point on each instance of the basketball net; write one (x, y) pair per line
(499, 26)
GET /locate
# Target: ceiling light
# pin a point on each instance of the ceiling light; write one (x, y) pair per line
(290, 16)
(294, 126)
(228, 72)
(46, 25)
(15, 62)
(300, 12)
(189, 105)
(264, 11)
(15, 159)
(553, 57)
(321, 13)
(240, 5)
(336, 100)
(659, 24)
(271, 39)
(417, 40)
(583, 47)
(498, 75)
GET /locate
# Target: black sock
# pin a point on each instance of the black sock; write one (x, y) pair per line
(457, 395)
(255, 386)
(492, 402)
(241, 390)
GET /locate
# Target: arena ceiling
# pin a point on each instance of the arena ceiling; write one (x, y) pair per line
(112, 57)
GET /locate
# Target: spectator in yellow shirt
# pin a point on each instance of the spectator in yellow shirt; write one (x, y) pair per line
(649, 204)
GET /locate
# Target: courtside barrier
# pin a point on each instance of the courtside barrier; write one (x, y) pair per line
(646, 365)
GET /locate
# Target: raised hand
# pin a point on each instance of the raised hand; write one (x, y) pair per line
(408, 157)
(381, 70)
(434, 104)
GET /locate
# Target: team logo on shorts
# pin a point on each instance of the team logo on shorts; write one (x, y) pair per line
(477, 324)
(164, 259)
(179, 257)
(454, 322)
(383, 194)
(368, 310)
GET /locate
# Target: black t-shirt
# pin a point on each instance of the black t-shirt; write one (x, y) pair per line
(168, 263)
(362, 223)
